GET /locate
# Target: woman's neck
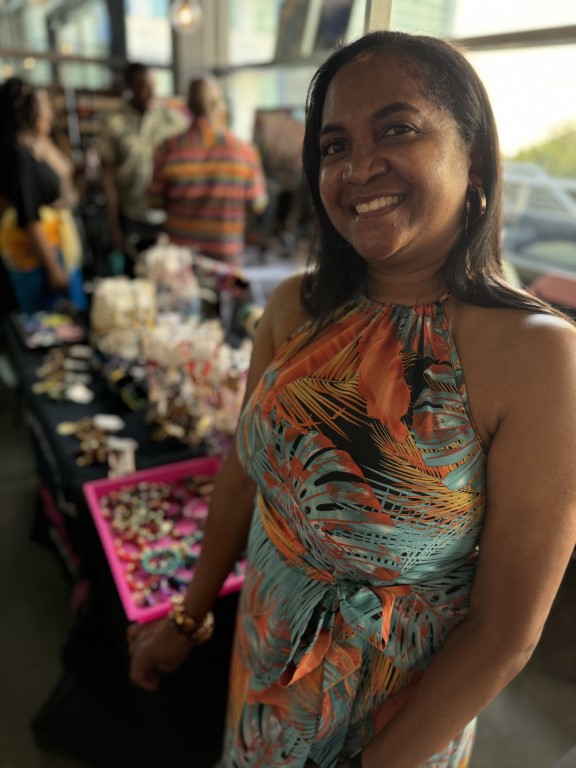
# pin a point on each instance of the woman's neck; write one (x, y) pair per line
(422, 287)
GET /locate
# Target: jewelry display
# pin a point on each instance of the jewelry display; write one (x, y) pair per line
(93, 434)
(175, 364)
(195, 381)
(49, 329)
(170, 268)
(121, 456)
(65, 376)
(157, 531)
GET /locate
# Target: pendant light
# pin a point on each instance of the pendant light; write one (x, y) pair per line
(186, 16)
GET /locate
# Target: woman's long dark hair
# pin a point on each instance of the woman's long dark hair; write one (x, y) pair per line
(473, 269)
(18, 108)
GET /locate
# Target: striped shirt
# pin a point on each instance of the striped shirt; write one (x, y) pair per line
(204, 179)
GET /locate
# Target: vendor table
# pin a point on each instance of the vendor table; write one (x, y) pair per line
(94, 714)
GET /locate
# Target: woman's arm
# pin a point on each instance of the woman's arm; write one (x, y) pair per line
(529, 533)
(159, 647)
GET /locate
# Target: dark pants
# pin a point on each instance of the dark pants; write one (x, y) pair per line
(139, 237)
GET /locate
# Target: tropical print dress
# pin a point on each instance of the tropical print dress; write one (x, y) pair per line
(363, 544)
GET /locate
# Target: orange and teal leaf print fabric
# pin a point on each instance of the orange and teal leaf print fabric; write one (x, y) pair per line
(363, 544)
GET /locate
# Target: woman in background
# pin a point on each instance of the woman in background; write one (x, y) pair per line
(38, 242)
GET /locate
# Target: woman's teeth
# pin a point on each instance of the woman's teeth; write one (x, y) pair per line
(379, 202)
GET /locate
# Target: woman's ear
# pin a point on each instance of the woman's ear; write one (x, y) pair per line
(476, 170)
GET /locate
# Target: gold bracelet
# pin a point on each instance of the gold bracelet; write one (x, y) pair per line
(196, 632)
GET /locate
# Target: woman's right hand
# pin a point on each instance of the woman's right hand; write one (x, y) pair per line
(154, 648)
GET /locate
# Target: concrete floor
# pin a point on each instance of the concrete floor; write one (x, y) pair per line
(530, 725)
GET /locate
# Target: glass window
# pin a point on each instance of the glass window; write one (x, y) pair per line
(533, 91)
(427, 17)
(533, 94)
(148, 32)
(84, 32)
(494, 16)
(251, 89)
(252, 30)
(86, 76)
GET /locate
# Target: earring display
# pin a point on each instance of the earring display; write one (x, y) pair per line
(151, 524)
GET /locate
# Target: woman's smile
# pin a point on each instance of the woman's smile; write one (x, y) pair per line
(378, 204)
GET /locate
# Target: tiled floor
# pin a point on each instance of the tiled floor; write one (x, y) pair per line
(531, 725)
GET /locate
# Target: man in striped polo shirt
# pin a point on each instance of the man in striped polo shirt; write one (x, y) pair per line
(207, 180)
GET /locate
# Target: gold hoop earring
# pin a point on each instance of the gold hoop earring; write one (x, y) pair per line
(475, 206)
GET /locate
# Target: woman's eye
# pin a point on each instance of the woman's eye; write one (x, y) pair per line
(331, 147)
(399, 129)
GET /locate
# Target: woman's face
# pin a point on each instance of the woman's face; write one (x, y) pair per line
(394, 169)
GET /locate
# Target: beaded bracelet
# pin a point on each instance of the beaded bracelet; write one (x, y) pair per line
(197, 633)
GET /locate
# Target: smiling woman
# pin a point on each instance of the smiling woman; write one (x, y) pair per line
(402, 475)
(392, 178)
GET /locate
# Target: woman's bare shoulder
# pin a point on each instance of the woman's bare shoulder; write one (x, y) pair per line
(509, 356)
(522, 330)
(285, 308)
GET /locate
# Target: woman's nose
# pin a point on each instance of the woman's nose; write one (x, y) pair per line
(362, 164)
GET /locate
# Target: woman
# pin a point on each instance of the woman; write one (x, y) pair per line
(51, 153)
(409, 430)
(38, 244)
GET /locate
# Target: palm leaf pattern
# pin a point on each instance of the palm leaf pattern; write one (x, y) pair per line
(363, 544)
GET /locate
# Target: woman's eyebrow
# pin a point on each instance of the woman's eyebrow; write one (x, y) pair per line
(397, 106)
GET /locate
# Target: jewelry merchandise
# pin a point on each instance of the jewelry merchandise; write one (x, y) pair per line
(64, 377)
(157, 529)
(92, 434)
(475, 206)
(121, 452)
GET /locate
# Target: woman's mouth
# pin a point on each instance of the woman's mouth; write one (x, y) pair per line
(387, 201)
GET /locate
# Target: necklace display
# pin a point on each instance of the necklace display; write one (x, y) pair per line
(157, 529)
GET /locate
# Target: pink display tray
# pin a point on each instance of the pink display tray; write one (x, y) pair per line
(95, 490)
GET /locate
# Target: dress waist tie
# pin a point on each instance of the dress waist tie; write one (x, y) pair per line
(365, 610)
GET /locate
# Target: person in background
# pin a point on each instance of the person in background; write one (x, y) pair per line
(74, 238)
(126, 143)
(207, 180)
(409, 438)
(38, 242)
(52, 154)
